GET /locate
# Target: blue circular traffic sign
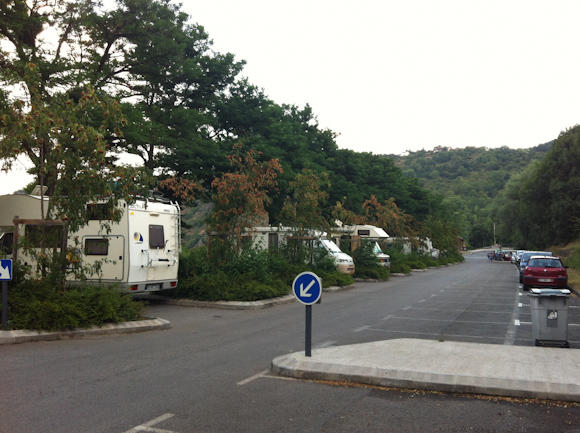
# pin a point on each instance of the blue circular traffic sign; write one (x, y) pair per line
(307, 288)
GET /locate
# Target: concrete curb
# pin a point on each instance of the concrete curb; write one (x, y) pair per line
(228, 305)
(23, 336)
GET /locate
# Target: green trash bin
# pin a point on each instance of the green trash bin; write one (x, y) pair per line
(550, 316)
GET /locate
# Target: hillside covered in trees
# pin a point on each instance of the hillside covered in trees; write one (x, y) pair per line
(471, 179)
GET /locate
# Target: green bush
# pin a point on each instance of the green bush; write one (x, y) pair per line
(376, 272)
(365, 255)
(36, 305)
(400, 268)
(334, 278)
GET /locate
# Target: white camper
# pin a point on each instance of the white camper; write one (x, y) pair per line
(425, 246)
(372, 233)
(270, 237)
(140, 253)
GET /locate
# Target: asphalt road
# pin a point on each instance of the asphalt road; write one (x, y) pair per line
(209, 372)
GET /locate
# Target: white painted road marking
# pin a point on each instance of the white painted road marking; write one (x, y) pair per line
(254, 377)
(146, 427)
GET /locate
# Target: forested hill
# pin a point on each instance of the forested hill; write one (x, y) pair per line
(470, 177)
(449, 171)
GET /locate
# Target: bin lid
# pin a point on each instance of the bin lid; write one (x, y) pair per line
(549, 292)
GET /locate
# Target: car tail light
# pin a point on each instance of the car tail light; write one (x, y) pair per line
(133, 287)
(173, 284)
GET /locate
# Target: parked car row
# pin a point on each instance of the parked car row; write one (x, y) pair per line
(541, 269)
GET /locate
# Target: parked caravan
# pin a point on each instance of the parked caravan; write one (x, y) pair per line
(139, 254)
(270, 237)
(372, 233)
(425, 246)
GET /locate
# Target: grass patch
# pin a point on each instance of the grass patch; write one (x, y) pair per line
(570, 255)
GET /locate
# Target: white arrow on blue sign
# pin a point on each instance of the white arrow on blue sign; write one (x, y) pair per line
(307, 288)
(5, 269)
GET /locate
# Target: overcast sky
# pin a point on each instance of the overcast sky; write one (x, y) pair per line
(396, 75)
(393, 75)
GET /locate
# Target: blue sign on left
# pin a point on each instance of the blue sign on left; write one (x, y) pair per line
(307, 288)
(5, 270)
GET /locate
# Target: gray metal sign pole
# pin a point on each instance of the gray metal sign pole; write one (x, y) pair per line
(4, 305)
(308, 337)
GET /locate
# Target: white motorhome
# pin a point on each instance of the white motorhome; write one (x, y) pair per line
(139, 254)
(425, 246)
(372, 233)
(270, 237)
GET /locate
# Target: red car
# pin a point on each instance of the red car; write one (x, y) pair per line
(545, 271)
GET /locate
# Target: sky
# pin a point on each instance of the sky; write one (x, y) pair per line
(391, 76)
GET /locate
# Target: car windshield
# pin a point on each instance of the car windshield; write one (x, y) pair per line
(330, 246)
(527, 256)
(545, 263)
(377, 249)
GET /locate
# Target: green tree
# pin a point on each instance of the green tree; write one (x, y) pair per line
(303, 206)
(541, 206)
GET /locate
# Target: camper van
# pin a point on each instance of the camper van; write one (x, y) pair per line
(424, 246)
(139, 254)
(371, 233)
(270, 237)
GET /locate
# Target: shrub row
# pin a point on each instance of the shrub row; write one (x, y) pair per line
(253, 274)
(37, 305)
(249, 276)
(404, 263)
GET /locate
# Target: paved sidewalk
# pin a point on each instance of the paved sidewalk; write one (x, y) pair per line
(501, 370)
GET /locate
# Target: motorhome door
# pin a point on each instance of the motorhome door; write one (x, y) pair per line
(109, 251)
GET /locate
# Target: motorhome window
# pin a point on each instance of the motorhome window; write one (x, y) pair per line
(273, 241)
(156, 236)
(97, 247)
(6, 242)
(364, 232)
(47, 236)
(100, 211)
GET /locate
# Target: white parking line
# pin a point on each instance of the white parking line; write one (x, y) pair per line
(254, 377)
(420, 319)
(146, 427)
(362, 328)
